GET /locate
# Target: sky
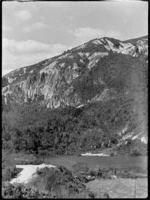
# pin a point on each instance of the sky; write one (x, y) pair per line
(34, 31)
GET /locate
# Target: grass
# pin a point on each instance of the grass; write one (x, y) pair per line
(120, 188)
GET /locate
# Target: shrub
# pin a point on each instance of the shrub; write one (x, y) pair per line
(135, 152)
(11, 173)
(19, 191)
(80, 167)
(112, 154)
(49, 179)
(92, 172)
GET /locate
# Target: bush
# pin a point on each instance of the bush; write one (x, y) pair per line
(49, 179)
(11, 173)
(138, 148)
(112, 154)
(94, 171)
(80, 167)
(135, 152)
(19, 191)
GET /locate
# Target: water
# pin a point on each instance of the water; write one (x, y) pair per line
(139, 162)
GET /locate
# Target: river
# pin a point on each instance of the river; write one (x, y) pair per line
(139, 162)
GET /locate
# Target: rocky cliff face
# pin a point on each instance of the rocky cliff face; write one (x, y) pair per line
(53, 81)
(99, 70)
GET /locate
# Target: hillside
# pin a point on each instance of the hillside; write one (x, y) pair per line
(92, 95)
(134, 41)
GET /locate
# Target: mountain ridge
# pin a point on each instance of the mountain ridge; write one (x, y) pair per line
(138, 38)
(128, 40)
(105, 79)
(81, 59)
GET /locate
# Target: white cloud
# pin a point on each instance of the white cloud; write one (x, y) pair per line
(35, 26)
(16, 54)
(22, 47)
(24, 15)
(84, 34)
(11, 62)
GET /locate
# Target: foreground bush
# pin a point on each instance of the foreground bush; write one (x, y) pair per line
(49, 179)
(50, 183)
(61, 183)
(19, 191)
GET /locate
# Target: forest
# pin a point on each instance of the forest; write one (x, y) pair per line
(33, 128)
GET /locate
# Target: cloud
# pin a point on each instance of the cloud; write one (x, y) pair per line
(16, 54)
(22, 47)
(35, 26)
(11, 61)
(31, 46)
(84, 34)
(6, 28)
(24, 15)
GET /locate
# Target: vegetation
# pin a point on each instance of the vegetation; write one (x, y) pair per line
(10, 173)
(84, 170)
(50, 179)
(132, 148)
(50, 183)
(10, 160)
(67, 130)
(20, 191)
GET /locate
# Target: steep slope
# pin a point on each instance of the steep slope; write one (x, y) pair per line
(105, 78)
(141, 45)
(51, 79)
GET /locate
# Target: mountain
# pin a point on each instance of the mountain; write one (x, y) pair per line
(105, 72)
(140, 39)
(54, 80)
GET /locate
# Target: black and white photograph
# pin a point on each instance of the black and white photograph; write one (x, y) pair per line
(74, 99)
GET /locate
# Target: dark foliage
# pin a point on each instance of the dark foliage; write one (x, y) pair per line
(62, 130)
(19, 191)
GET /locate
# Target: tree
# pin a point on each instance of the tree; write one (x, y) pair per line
(43, 153)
